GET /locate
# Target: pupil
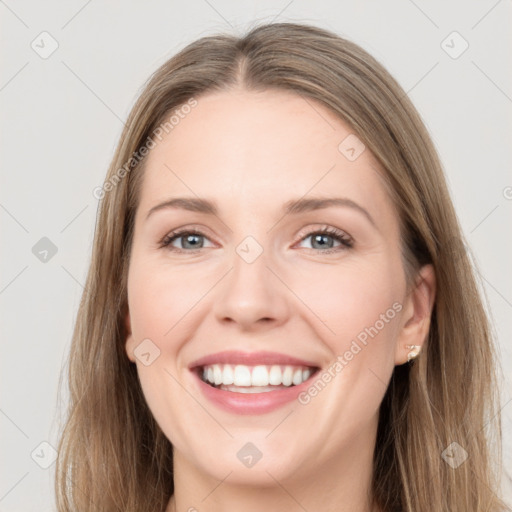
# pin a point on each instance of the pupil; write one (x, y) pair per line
(318, 238)
(190, 238)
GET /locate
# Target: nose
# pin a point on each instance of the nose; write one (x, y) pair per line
(252, 296)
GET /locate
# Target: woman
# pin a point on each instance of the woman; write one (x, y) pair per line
(279, 312)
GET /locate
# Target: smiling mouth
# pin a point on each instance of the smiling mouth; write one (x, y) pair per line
(254, 379)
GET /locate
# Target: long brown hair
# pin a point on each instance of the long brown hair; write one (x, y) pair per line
(113, 455)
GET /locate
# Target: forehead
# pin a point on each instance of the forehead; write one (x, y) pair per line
(254, 148)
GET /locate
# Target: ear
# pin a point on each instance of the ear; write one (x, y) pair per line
(417, 312)
(129, 344)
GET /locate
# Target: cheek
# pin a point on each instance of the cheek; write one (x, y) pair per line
(161, 298)
(351, 299)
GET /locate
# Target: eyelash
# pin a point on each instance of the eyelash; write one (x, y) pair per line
(345, 240)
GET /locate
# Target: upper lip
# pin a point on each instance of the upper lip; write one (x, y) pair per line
(250, 359)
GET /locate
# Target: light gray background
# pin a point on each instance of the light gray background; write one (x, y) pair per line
(61, 117)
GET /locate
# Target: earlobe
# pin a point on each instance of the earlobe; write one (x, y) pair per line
(417, 313)
(129, 341)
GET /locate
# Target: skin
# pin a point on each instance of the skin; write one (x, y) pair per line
(250, 153)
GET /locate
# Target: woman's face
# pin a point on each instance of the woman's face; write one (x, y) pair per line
(257, 294)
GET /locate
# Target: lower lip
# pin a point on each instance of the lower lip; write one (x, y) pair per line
(251, 403)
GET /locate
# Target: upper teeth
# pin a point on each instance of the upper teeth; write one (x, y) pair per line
(242, 375)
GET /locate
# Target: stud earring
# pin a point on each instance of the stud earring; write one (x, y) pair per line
(414, 351)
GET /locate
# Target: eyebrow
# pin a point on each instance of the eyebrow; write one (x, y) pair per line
(294, 206)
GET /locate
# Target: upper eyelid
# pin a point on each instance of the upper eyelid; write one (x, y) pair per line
(331, 230)
(301, 233)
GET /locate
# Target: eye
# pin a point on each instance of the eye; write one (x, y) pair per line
(192, 240)
(325, 237)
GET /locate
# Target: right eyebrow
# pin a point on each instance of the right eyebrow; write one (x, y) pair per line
(191, 204)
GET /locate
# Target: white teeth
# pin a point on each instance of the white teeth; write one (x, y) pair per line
(259, 378)
(287, 376)
(297, 377)
(242, 376)
(275, 376)
(249, 389)
(217, 374)
(227, 375)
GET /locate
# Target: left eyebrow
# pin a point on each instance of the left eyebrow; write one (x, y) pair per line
(294, 206)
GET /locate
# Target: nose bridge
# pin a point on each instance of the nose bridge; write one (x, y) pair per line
(251, 292)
